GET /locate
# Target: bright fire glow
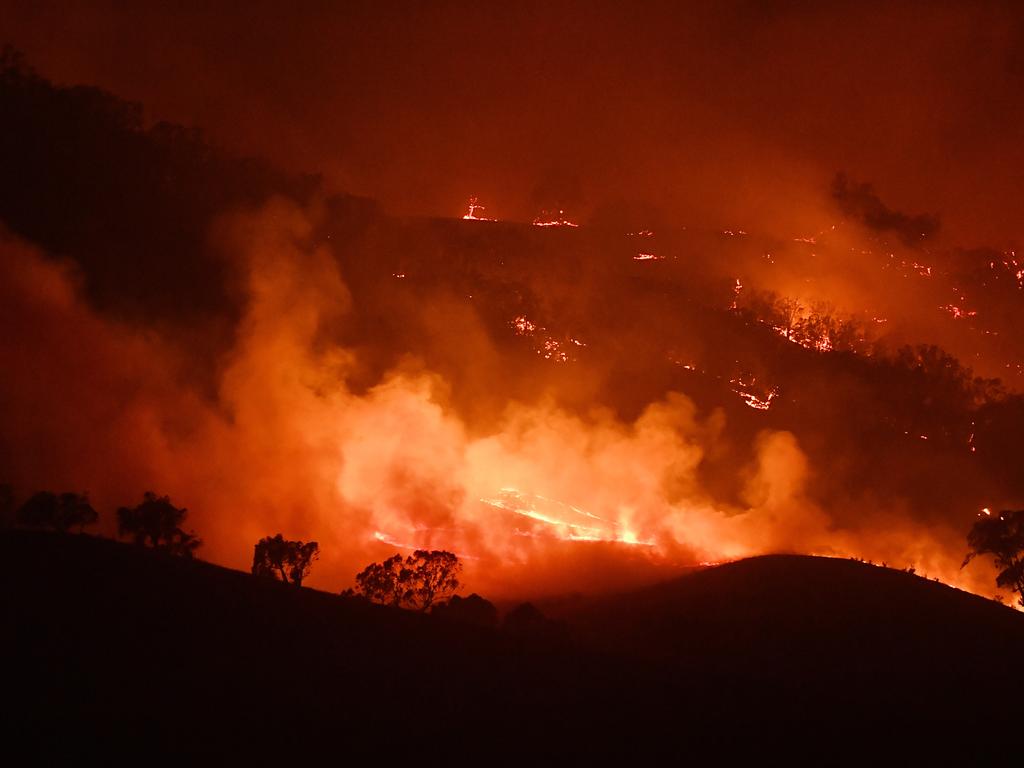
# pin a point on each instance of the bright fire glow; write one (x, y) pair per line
(292, 445)
(553, 219)
(563, 521)
(548, 347)
(958, 313)
(474, 208)
(736, 289)
(746, 388)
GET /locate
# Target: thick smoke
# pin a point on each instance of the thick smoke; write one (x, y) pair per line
(860, 202)
(314, 367)
(286, 444)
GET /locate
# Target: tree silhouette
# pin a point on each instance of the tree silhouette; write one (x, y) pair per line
(1001, 536)
(383, 582)
(276, 556)
(418, 582)
(473, 610)
(57, 512)
(434, 576)
(157, 522)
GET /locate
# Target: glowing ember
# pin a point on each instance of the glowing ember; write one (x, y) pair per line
(549, 219)
(760, 400)
(647, 257)
(552, 350)
(908, 267)
(958, 313)
(761, 404)
(522, 326)
(547, 346)
(736, 294)
(474, 207)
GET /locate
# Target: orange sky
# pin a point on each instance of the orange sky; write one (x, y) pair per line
(731, 114)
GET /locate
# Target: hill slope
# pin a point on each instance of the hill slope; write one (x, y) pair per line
(811, 630)
(122, 641)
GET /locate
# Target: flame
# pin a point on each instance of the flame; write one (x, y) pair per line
(293, 440)
(761, 401)
(958, 313)
(474, 206)
(563, 520)
(736, 289)
(553, 219)
(546, 345)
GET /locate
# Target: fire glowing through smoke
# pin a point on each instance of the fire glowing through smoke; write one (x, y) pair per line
(541, 501)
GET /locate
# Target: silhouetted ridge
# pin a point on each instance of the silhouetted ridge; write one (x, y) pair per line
(820, 629)
(121, 639)
(84, 177)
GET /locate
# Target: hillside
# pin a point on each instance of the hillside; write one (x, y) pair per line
(812, 630)
(194, 293)
(119, 641)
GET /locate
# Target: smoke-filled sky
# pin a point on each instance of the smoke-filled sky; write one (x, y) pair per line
(726, 113)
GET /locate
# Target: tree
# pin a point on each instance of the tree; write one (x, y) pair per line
(276, 556)
(473, 610)
(434, 576)
(58, 512)
(157, 521)
(383, 582)
(1001, 536)
(422, 579)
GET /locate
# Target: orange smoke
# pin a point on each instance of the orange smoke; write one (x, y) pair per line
(539, 501)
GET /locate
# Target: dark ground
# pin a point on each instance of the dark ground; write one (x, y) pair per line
(115, 643)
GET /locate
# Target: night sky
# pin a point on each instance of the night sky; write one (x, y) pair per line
(733, 114)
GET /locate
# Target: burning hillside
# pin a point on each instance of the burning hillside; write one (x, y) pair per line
(561, 404)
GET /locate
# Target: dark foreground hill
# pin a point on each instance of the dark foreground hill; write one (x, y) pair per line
(120, 643)
(809, 631)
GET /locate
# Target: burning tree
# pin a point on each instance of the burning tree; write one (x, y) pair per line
(58, 512)
(276, 556)
(1001, 536)
(157, 522)
(421, 580)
